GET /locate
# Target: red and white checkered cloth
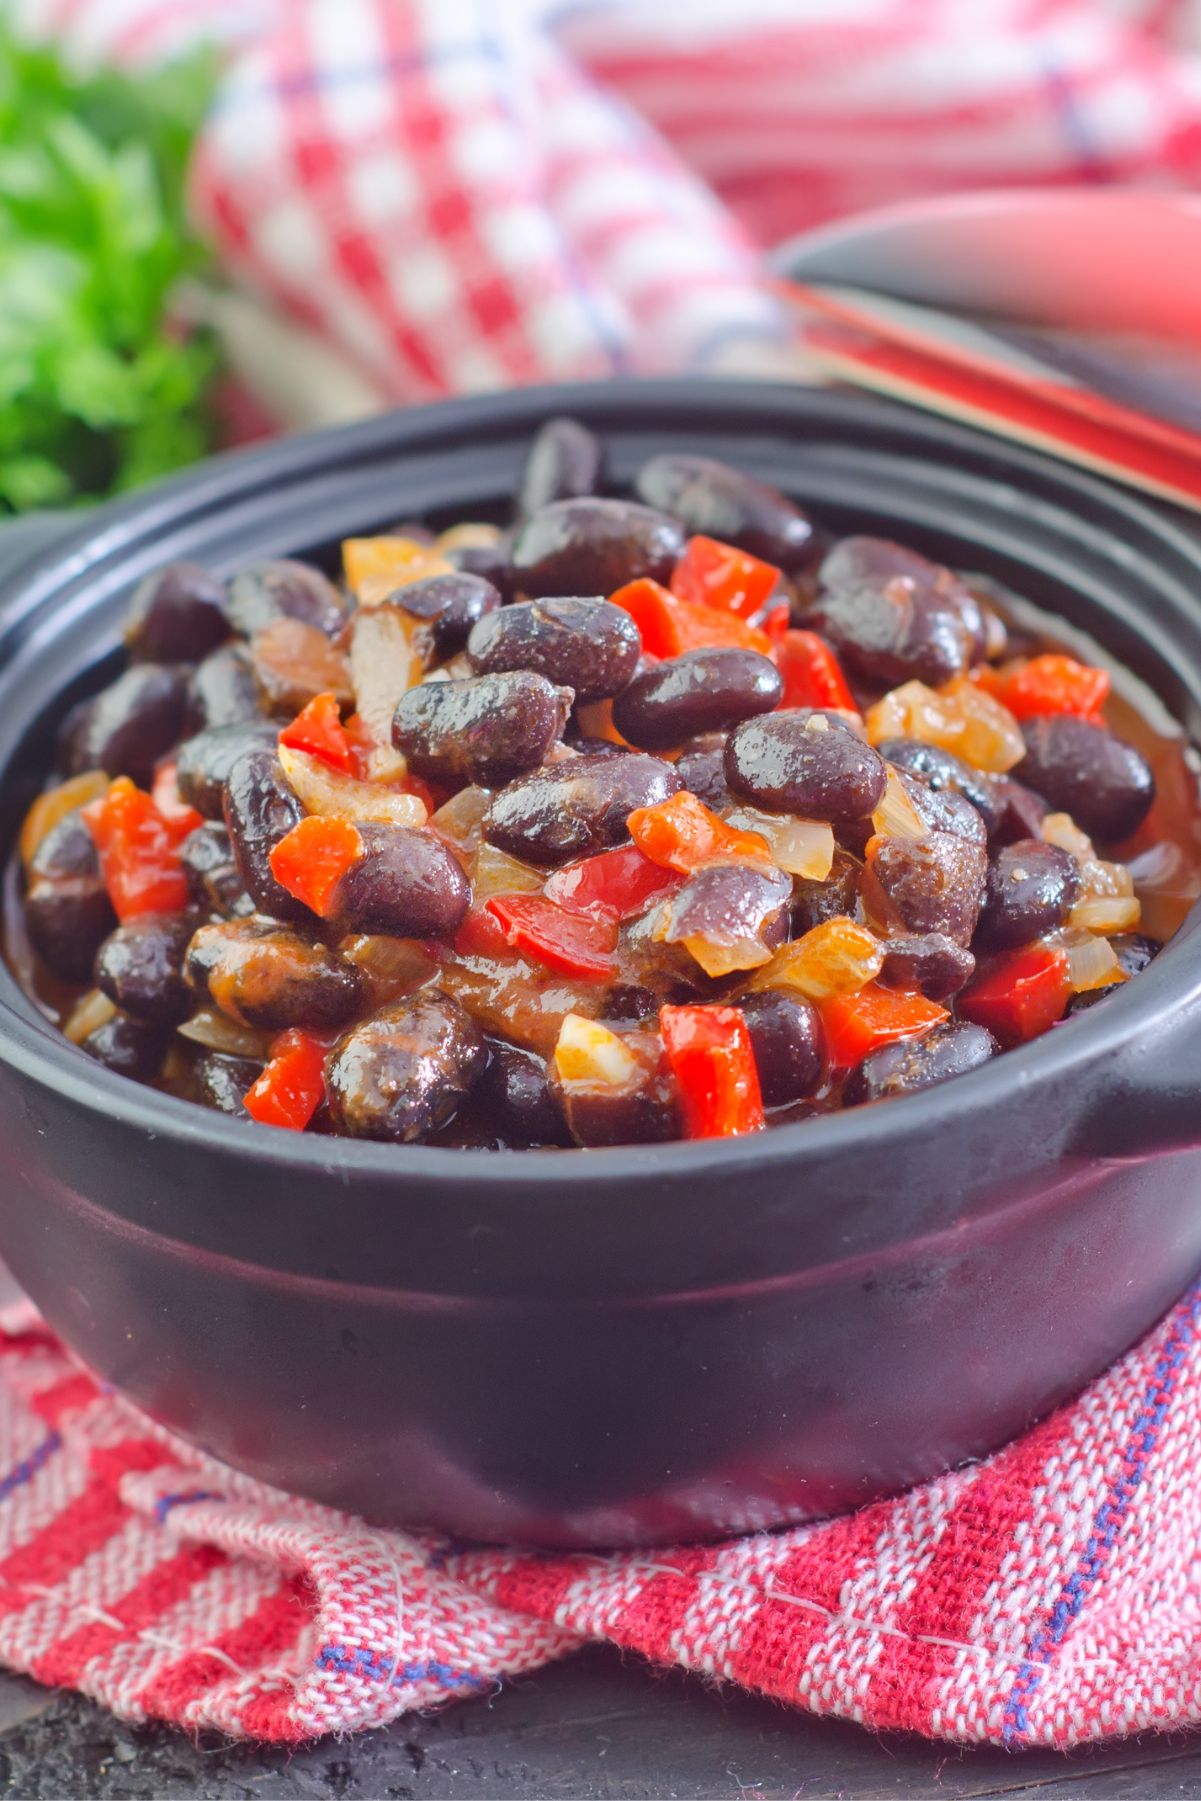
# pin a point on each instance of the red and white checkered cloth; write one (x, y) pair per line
(1048, 1596)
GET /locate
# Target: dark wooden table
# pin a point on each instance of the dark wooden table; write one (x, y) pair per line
(594, 1728)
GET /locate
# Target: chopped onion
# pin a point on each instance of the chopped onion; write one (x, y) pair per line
(217, 1032)
(802, 847)
(1107, 913)
(590, 1055)
(1092, 962)
(959, 717)
(496, 873)
(1061, 830)
(840, 956)
(384, 664)
(91, 1011)
(393, 966)
(461, 819)
(472, 534)
(724, 959)
(329, 792)
(1100, 879)
(896, 816)
(52, 807)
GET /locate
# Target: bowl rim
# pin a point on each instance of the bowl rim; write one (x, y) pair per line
(36, 1049)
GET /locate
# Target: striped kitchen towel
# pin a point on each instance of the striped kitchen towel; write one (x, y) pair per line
(1048, 1596)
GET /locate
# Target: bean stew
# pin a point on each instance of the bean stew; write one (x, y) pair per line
(639, 819)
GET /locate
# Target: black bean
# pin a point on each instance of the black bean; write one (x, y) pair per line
(873, 563)
(565, 462)
(284, 589)
(127, 727)
(1032, 887)
(263, 975)
(586, 645)
(944, 810)
(813, 903)
(128, 1046)
(204, 761)
(709, 497)
(140, 967)
(948, 1050)
(260, 809)
(703, 772)
(67, 910)
(642, 1110)
(786, 763)
(516, 1091)
(593, 546)
(177, 615)
(223, 1082)
(893, 632)
(934, 965)
(1082, 769)
(405, 883)
(402, 1074)
(1022, 811)
(700, 691)
(727, 904)
(222, 690)
(493, 562)
(942, 772)
(214, 879)
(930, 884)
(576, 807)
(786, 1036)
(487, 729)
(452, 604)
(1134, 952)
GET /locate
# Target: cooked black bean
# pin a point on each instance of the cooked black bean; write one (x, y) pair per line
(263, 975)
(1082, 769)
(934, 965)
(403, 1073)
(875, 563)
(204, 761)
(486, 729)
(127, 727)
(709, 497)
(944, 810)
(837, 897)
(949, 1050)
(177, 615)
(452, 604)
(406, 883)
(214, 879)
(67, 910)
(944, 773)
(727, 904)
(140, 967)
(576, 807)
(700, 691)
(284, 589)
(786, 1036)
(128, 1046)
(891, 632)
(788, 763)
(1031, 889)
(930, 884)
(260, 809)
(1022, 811)
(223, 1082)
(565, 462)
(222, 689)
(1134, 951)
(493, 562)
(515, 1089)
(702, 770)
(593, 546)
(586, 645)
(642, 1110)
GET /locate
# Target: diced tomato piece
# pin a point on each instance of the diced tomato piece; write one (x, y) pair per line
(713, 574)
(614, 884)
(681, 833)
(318, 730)
(1055, 684)
(858, 1024)
(138, 847)
(669, 626)
(292, 1086)
(311, 860)
(811, 673)
(1020, 995)
(570, 942)
(180, 817)
(710, 1055)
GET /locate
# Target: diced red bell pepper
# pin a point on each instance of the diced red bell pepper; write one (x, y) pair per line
(859, 1023)
(709, 1053)
(669, 626)
(774, 624)
(614, 884)
(713, 574)
(181, 817)
(481, 934)
(1019, 995)
(1055, 684)
(570, 942)
(292, 1086)
(138, 847)
(681, 833)
(311, 860)
(318, 730)
(811, 673)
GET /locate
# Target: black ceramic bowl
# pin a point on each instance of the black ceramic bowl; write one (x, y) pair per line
(631, 1344)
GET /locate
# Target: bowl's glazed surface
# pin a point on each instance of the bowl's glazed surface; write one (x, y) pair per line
(651, 1342)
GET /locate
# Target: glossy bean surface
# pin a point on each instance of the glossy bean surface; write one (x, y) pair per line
(565, 461)
(259, 809)
(405, 1072)
(576, 807)
(284, 589)
(405, 883)
(593, 546)
(204, 761)
(930, 884)
(711, 498)
(451, 605)
(67, 910)
(488, 729)
(177, 615)
(127, 727)
(931, 964)
(917, 1063)
(264, 975)
(140, 967)
(1032, 887)
(785, 763)
(698, 692)
(586, 645)
(786, 1035)
(1083, 769)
